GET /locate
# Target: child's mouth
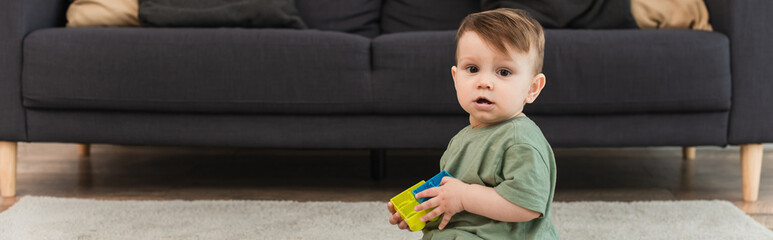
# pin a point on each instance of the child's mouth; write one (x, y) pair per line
(482, 100)
(483, 104)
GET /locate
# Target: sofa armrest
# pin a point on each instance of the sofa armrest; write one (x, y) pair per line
(17, 19)
(749, 26)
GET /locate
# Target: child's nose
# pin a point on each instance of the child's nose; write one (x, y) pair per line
(484, 82)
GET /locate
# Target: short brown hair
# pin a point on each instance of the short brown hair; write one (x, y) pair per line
(506, 27)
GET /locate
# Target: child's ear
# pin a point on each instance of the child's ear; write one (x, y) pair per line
(535, 88)
(453, 73)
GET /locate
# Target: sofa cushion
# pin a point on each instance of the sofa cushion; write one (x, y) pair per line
(351, 16)
(588, 72)
(197, 70)
(422, 15)
(412, 72)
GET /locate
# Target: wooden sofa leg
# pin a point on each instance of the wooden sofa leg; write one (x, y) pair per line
(7, 169)
(84, 149)
(688, 153)
(751, 165)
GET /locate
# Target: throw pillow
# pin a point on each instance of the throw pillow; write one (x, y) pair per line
(220, 13)
(596, 14)
(102, 13)
(689, 14)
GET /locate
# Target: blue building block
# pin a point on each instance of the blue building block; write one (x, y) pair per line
(432, 182)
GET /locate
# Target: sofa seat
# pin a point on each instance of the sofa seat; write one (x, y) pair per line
(588, 72)
(197, 70)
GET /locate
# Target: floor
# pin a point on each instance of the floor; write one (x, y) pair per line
(150, 172)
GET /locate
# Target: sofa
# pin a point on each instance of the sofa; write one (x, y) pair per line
(374, 74)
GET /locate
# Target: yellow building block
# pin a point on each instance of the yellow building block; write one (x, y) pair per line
(404, 204)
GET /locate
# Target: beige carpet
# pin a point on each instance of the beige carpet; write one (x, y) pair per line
(59, 218)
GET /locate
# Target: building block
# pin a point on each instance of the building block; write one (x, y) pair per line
(404, 204)
(406, 201)
(432, 182)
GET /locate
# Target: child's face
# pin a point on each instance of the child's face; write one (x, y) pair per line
(492, 86)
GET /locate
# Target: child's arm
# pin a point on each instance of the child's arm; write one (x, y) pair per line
(454, 196)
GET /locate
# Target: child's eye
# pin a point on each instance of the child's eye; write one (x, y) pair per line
(472, 69)
(503, 72)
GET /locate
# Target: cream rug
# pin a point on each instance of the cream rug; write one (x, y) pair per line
(60, 218)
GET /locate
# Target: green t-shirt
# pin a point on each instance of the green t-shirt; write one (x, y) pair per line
(514, 158)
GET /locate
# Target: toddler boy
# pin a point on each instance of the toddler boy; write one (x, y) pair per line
(504, 168)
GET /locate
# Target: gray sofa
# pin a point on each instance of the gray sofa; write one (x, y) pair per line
(373, 74)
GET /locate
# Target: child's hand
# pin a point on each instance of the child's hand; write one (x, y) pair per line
(446, 199)
(395, 219)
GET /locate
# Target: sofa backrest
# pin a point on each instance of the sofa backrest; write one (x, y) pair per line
(423, 15)
(371, 18)
(351, 16)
